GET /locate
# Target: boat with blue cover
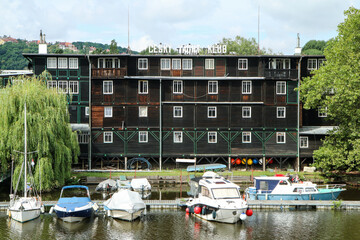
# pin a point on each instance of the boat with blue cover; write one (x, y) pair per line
(74, 204)
(282, 188)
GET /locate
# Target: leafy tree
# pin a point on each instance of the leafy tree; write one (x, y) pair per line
(113, 47)
(243, 46)
(49, 132)
(336, 85)
(314, 47)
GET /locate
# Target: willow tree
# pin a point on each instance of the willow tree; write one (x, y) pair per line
(49, 133)
(336, 87)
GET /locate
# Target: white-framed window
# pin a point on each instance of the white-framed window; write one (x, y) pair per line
(108, 63)
(212, 87)
(165, 63)
(108, 137)
(246, 112)
(280, 137)
(63, 86)
(143, 86)
(107, 87)
(322, 112)
(178, 112)
(280, 87)
(62, 62)
(52, 84)
(108, 111)
(178, 137)
(178, 86)
(209, 64)
(246, 137)
(187, 64)
(212, 137)
(281, 112)
(211, 112)
(83, 138)
(143, 111)
(73, 63)
(304, 142)
(143, 136)
(142, 63)
(74, 87)
(312, 64)
(176, 63)
(321, 62)
(279, 63)
(246, 87)
(87, 111)
(242, 64)
(51, 62)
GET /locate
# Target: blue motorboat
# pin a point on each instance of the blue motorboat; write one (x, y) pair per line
(282, 188)
(74, 204)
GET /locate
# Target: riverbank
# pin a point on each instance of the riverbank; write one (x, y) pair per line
(177, 176)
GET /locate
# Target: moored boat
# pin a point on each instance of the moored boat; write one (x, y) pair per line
(107, 185)
(282, 188)
(28, 207)
(74, 204)
(125, 205)
(218, 200)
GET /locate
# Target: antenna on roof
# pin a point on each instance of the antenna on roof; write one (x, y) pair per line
(259, 30)
(298, 48)
(129, 50)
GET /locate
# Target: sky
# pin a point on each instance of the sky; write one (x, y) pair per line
(175, 22)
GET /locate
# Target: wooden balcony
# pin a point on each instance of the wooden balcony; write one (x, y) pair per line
(281, 73)
(108, 73)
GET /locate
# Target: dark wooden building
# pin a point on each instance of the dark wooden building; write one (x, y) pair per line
(212, 108)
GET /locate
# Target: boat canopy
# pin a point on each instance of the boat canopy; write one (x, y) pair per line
(76, 186)
(125, 200)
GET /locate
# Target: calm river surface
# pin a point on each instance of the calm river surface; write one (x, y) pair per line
(173, 224)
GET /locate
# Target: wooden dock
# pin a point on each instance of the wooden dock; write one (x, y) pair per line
(254, 204)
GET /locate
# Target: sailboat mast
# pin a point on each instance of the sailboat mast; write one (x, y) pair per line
(25, 157)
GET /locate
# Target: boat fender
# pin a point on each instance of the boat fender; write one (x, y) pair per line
(95, 207)
(42, 209)
(8, 213)
(214, 214)
(242, 216)
(191, 210)
(51, 210)
(203, 211)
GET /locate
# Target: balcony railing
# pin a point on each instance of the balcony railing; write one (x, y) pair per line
(108, 73)
(281, 73)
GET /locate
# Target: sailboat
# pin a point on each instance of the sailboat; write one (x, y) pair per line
(26, 208)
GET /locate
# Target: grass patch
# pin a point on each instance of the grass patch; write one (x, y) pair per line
(178, 172)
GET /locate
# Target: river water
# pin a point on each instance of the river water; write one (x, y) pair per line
(175, 224)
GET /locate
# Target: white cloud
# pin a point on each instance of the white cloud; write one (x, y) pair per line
(141, 43)
(174, 23)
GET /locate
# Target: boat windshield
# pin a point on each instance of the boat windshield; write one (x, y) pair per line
(74, 192)
(221, 193)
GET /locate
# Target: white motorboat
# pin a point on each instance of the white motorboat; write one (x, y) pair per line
(125, 205)
(28, 207)
(218, 200)
(107, 185)
(140, 184)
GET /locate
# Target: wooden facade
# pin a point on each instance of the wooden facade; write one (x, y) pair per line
(212, 108)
